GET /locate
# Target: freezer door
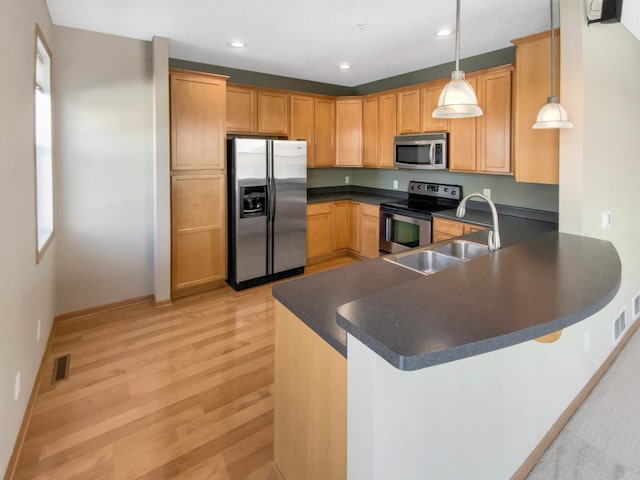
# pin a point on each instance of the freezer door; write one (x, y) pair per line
(249, 169)
(289, 202)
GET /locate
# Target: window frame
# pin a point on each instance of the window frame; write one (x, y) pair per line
(40, 251)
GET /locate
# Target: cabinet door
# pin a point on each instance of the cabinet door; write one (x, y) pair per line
(198, 206)
(273, 113)
(430, 95)
(370, 131)
(535, 152)
(241, 109)
(354, 226)
(386, 129)
(462, 141)
(302, 123)
(340, 225)
(408, 102)
(198, 105)
(318, 230)
(494, 126)
(325, 126)
(369, 230)
(349, 132)
(447, 228)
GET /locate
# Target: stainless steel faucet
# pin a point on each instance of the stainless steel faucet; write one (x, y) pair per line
(494, 235)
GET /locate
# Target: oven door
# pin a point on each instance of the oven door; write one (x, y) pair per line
(402, 232)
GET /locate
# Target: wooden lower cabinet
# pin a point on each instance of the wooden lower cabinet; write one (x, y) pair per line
(444, 229)
(342, 227)
(310, 412)
(369, 230)
(198, 230)
(318, 231)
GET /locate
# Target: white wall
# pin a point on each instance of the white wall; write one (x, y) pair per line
(481, 417)
(26, 289)
(104, 88)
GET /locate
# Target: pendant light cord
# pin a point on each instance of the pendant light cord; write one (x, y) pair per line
(553, 54)
(457, 35)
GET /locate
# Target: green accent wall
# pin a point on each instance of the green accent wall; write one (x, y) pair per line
(504, 189)
(265, 80)
(478, 62)
(246, 77)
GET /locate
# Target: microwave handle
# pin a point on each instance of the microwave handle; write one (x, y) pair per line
(432, 152)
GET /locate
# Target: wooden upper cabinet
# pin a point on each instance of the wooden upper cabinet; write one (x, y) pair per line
(408, 113)
(255, 110)
(349, 131)
(302, 123)
(241, 109)
(483, 144)
(494, 126)
(198, 117)
(273, 113)
(370, 131)
(462, 140)
(535, 152)
(430, 95)
(325, 132)
(386, 129)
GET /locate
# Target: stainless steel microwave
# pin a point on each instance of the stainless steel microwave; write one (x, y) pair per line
(427, 150)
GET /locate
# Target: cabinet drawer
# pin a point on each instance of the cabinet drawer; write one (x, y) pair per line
(368, 209)
(318, 208)
(448, 227)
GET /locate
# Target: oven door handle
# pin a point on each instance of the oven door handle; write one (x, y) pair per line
(387, 229)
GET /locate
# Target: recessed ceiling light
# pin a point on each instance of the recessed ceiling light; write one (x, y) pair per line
(236, 44)
(444, 32)
(345, 66)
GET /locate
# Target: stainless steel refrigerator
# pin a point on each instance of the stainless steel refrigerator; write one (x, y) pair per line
(267, 210)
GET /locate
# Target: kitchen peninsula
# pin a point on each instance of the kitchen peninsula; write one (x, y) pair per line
(416, 368)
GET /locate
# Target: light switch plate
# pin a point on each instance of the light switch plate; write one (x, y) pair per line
(346, 179)
(606, 219)
(487, 192)
(395, 184)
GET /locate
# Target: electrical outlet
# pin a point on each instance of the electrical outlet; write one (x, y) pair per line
(16, 388)
(587, 340)
(39, 329)
(487, 192)
(606, 219)
(346, 179)
(395, 184)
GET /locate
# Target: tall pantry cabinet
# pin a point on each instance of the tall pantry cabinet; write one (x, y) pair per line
(198, 180)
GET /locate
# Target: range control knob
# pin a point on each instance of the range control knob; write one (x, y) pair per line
(453, 192)
(446, 190)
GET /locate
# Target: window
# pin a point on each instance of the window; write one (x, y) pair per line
(43, 147)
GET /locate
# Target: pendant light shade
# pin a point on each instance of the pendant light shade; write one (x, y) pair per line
(457, 100)
(552, 114)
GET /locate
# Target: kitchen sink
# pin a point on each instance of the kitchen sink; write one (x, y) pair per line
(463, 250)
(431, 260)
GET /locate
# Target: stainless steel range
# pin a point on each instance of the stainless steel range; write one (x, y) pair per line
(407, 224)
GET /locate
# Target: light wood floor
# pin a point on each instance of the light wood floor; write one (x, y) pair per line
(183, 392)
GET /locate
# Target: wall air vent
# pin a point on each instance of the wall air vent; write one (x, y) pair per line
(619, 324)
(61, 368)
(636, 306)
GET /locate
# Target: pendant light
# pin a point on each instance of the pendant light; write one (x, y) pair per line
(552, 114)
(457, 100)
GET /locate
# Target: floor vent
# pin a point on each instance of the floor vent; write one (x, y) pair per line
(61, 368)
(636, 306)
(619, 324)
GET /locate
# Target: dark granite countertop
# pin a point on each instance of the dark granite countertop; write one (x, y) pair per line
(539, 282)
(372, 196)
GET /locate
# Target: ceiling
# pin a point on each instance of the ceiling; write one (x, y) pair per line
(309, 39)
